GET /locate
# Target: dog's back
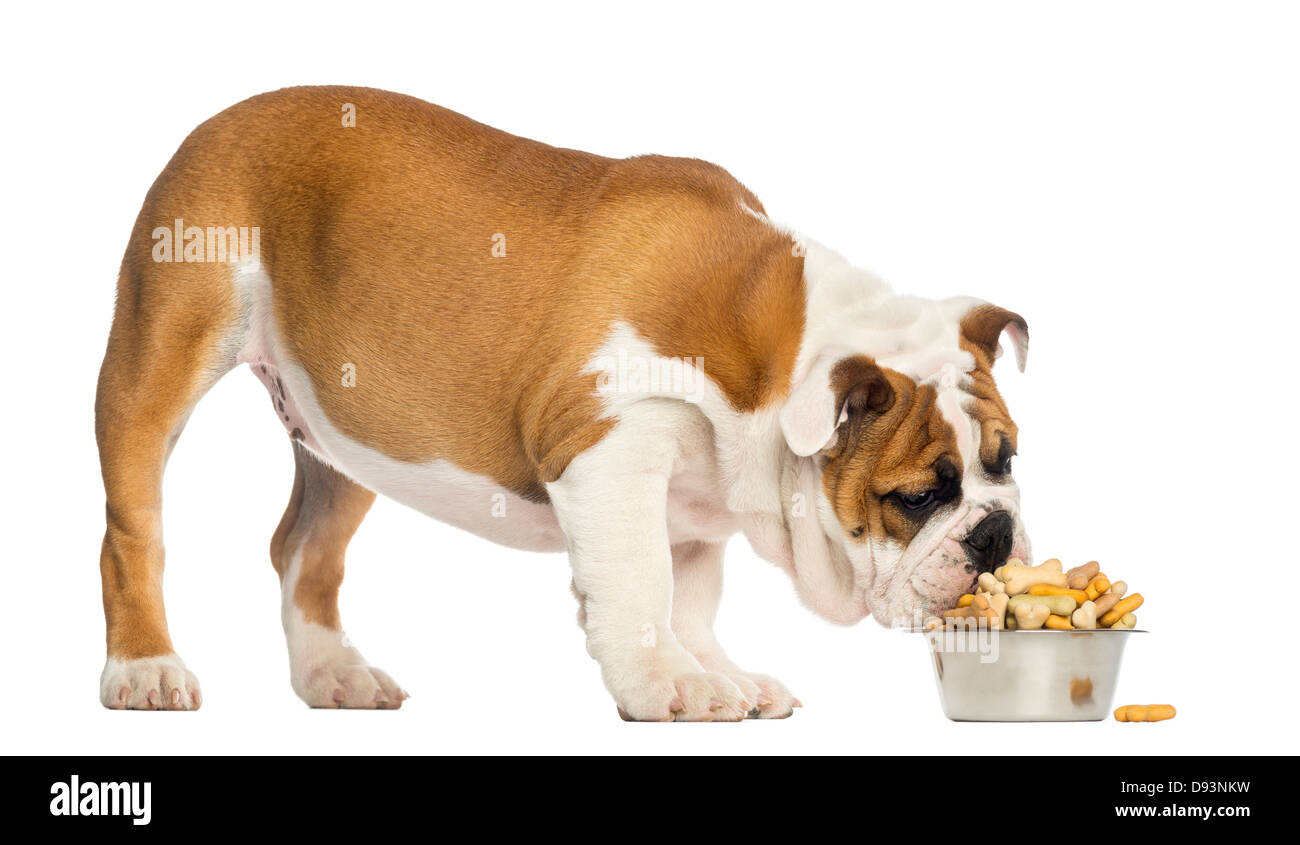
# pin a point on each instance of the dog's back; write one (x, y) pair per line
(452, 263)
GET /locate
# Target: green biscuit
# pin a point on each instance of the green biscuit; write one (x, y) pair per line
(1059, 605)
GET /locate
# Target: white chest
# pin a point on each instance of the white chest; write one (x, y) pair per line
(696, 507)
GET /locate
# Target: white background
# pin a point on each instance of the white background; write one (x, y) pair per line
(1126, 175)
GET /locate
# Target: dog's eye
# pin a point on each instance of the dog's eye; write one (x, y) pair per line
(1003, 468)
(916, 502)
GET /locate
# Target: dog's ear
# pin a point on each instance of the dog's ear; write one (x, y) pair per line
(836, 391)
(984, 324)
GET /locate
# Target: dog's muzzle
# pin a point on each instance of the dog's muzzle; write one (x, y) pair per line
(989, 543)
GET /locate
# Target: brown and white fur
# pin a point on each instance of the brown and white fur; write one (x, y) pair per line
(498, 301)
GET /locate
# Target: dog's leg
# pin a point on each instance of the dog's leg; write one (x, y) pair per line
(325, 669)
(611, 502)
(174, 334)
(697, 589)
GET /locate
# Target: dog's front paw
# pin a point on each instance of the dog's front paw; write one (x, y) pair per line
(149, 683)
(771, 698)
(354, 686)
(683, 696)
(326, 670)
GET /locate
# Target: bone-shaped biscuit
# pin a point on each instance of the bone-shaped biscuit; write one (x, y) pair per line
(971, 612)
(1097, 586)
(1078, 577)
(988, 583)
(1145, 713)
(1060, 605)
(1020, 578)
(1123, 606)
(1030, 617)
(1105, 602)
(998, 604)
(1086, 616)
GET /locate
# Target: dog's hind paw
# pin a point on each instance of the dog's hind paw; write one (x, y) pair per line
(149, 683)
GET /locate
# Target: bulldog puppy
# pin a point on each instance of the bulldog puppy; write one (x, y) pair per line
(553, 350)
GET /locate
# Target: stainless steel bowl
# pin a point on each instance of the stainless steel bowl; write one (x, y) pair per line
(1027, 676)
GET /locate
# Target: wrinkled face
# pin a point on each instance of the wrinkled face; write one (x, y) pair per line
(916, 485)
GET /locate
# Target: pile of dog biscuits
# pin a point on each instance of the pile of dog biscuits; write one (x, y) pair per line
(1018, 597)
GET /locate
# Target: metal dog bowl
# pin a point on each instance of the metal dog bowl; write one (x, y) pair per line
(1027, 676)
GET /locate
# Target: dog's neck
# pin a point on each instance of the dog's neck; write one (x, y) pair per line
(778, 505)
(774, 494)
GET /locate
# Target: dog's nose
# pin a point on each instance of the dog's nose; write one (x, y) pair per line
(989, 543)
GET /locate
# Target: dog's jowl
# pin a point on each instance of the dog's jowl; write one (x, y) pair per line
(624, 358)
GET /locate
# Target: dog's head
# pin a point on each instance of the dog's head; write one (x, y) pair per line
(904, 457)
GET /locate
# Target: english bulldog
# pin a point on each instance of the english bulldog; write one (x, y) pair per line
(625, 359)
